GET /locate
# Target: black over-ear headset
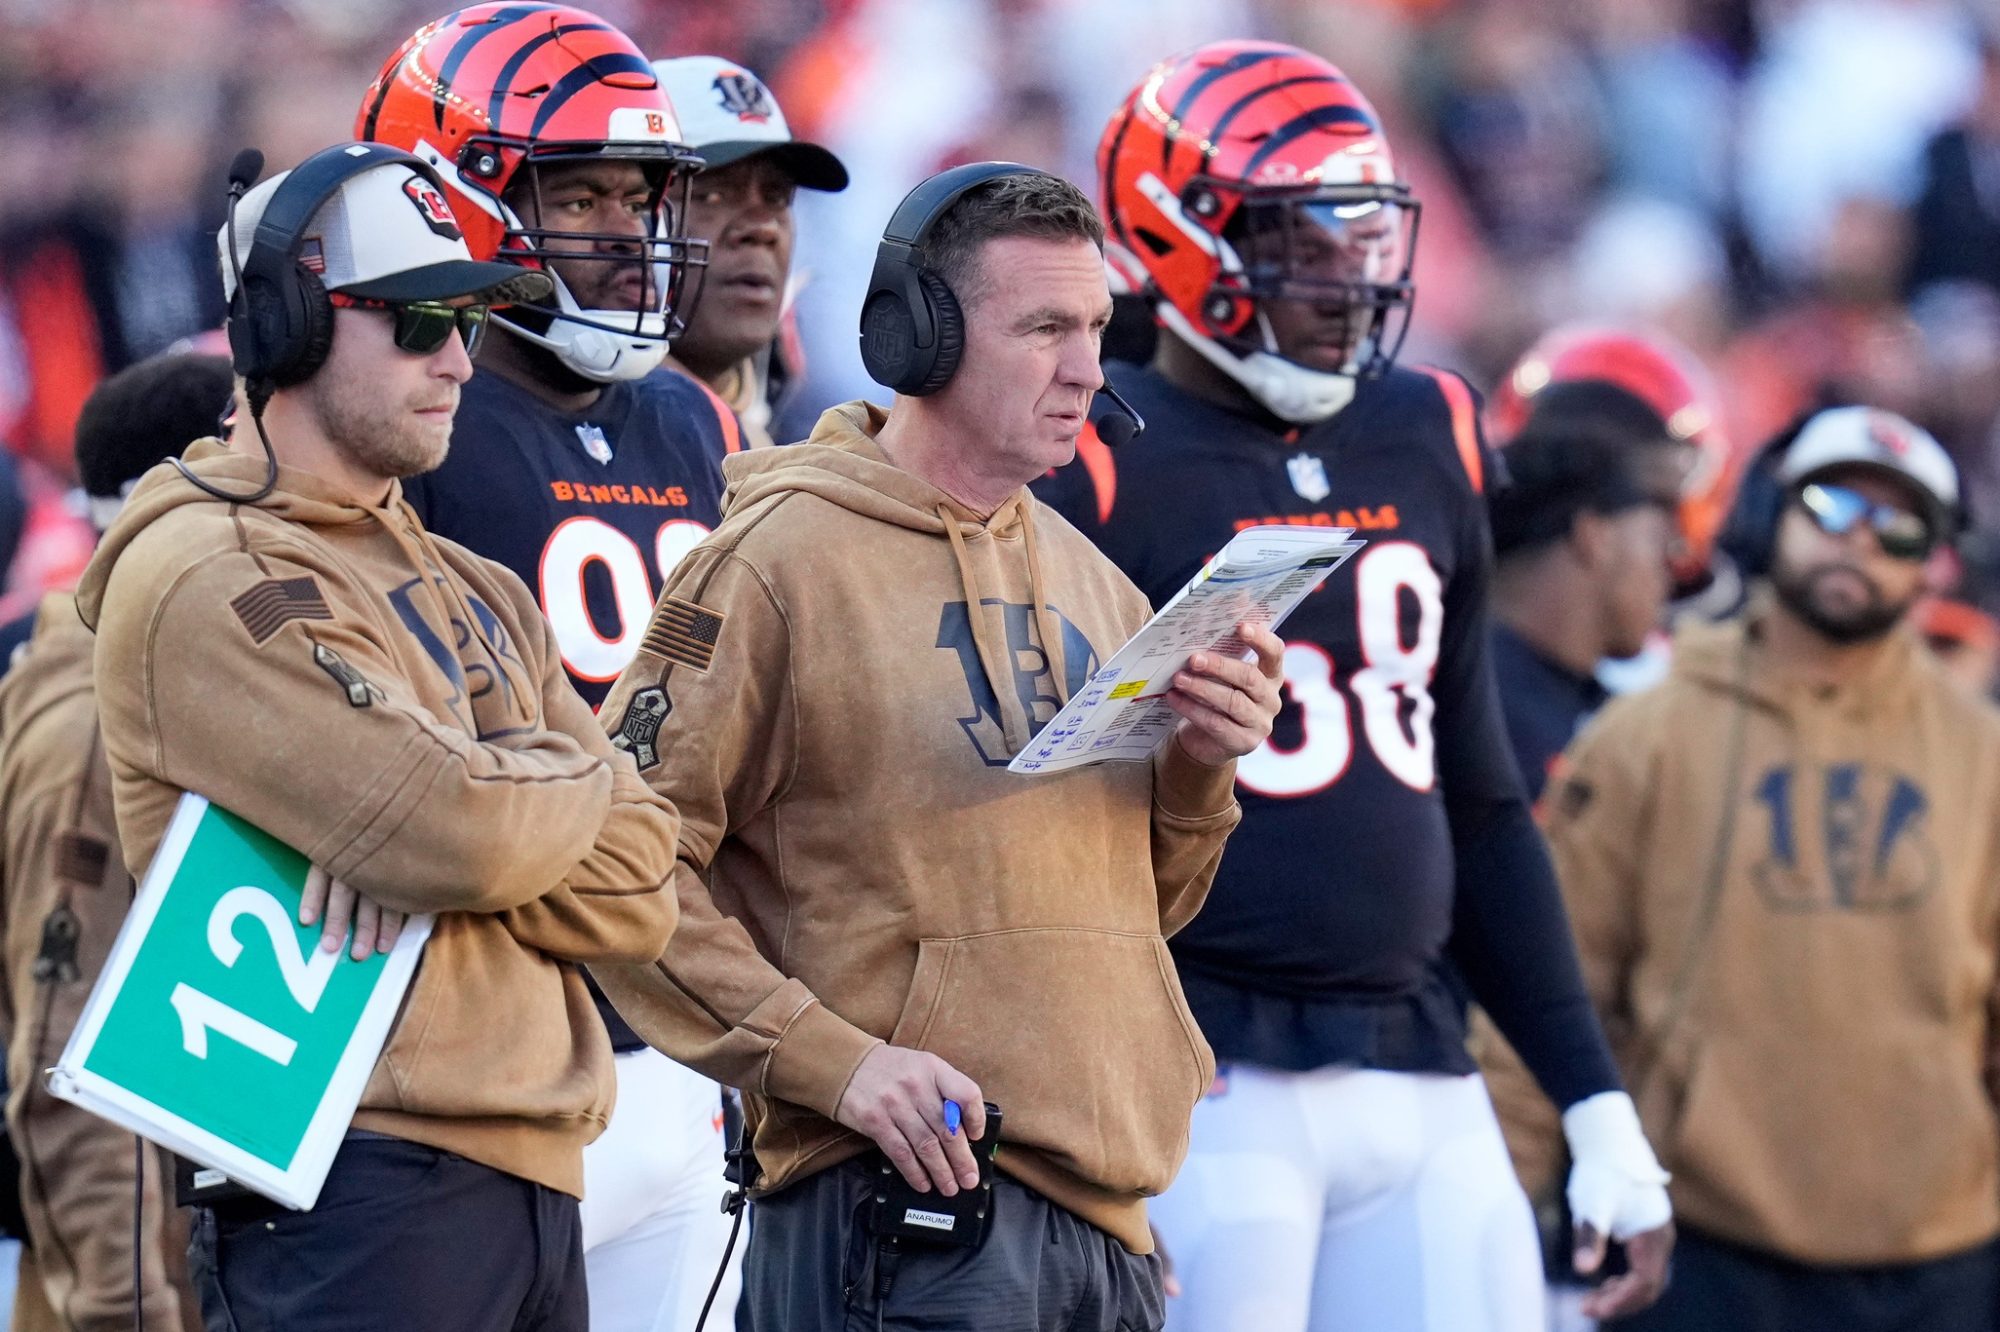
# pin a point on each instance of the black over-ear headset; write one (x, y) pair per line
(1749, 534)
(912, 331)
(280, 317)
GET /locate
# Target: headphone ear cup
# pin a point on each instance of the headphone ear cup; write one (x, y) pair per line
(1769, 511)
(310, 336)
(244, 353)
(889, 342)
(1750, 536)
(949, 321)
(257, 341)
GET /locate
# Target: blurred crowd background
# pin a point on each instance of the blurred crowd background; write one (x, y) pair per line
(1806, 192)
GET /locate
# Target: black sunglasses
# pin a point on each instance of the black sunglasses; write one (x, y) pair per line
(422, 327)
(1837, 510)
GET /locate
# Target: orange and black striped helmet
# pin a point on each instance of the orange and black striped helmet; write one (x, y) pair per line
(1672, 384)
(489, 92)
(1245, 171)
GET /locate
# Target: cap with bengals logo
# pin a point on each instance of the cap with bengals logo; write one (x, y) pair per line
(727, 114)
(387, 234)
(1869, 437)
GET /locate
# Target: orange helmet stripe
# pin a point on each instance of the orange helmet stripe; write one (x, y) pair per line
(504, 82)
(475, 38)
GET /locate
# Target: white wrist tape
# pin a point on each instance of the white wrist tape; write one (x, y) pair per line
(1616, 1185)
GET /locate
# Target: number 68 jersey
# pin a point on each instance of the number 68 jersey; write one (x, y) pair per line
(590, 508)
(1323, 938)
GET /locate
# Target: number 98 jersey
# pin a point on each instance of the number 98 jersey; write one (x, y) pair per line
(590, 508)
(1323, 937)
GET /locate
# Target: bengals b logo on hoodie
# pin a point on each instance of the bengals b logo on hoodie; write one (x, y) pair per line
(1034, 682)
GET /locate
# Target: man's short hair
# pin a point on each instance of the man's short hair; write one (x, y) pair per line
(147, 413)
(1597, 409)
(1036, 205)
(1581, 451)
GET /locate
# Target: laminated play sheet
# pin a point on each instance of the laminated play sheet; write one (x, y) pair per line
(1122, 712)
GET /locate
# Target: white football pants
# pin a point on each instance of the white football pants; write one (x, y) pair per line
(1350, 1200)
(653, 1225)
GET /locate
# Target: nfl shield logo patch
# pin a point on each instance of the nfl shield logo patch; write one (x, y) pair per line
(594, 443)
(1308, 476)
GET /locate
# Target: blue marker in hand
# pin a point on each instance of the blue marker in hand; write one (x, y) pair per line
(952, 1117)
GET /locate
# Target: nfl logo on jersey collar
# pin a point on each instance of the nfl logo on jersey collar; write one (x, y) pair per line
(1308, 477)
(594, 443)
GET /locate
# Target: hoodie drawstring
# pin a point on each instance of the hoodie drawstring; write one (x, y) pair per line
(992, 656)
(982, 639)
(1046, 620)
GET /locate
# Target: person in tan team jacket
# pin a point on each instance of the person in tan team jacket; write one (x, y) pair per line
(294, 646)
(64, 893)
(876, 915)
(1783, 867)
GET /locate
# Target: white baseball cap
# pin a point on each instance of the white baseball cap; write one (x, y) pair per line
(1870, 437)
(386, 234)
(727, 114)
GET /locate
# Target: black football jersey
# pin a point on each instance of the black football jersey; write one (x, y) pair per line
(1545, 705)
(1324, 936)
(589, 508)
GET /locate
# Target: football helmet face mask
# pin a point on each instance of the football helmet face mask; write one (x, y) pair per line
(1672, 383)
(1253, 184)
(490, 96)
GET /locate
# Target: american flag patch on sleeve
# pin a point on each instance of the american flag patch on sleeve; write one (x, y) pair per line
(683, 632)
(276, 602)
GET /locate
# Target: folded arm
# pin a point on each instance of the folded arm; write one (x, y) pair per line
(265, 682)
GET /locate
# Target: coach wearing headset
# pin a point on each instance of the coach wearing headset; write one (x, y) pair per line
(278, 633)
(878, 917)
(1782, 868)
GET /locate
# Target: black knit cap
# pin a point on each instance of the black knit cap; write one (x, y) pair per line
(147, 413)
(1582, 450)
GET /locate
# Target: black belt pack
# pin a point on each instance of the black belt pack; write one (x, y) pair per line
(897, 1211)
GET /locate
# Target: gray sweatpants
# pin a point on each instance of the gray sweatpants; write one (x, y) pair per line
(812, 1267)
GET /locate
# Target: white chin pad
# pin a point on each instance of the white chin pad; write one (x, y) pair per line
(1287, 390)
(600, 353)
(596, 353)
(603, 355)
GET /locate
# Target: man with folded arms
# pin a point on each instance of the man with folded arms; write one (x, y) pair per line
(393, 707)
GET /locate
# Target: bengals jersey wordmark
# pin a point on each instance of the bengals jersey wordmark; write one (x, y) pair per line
(590, 508)
(1324, 940)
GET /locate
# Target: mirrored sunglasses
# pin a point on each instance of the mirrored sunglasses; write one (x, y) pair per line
(1837, 510)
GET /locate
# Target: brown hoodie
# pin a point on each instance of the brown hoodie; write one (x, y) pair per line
(61, 877)
(857, 864)
(1787, 902)
(394, 707)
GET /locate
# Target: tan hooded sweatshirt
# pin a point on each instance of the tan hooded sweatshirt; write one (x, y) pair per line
(394, 707)
(857, 864)
(1787, 901)
(61, 877)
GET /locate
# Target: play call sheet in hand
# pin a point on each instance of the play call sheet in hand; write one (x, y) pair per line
(1122, 712)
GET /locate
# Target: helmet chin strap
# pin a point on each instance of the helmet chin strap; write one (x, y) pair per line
(1288, 390)
(597, 353)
